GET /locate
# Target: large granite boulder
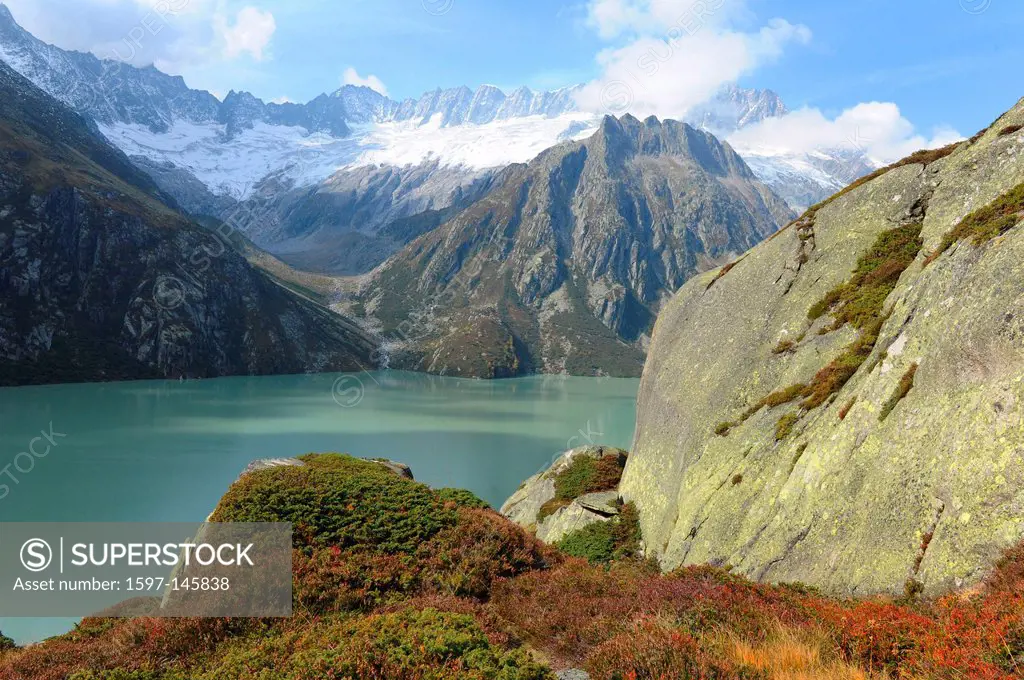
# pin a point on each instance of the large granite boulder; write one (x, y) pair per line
(907, 461)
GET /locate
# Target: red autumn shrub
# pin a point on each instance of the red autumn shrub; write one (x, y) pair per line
(651, 651)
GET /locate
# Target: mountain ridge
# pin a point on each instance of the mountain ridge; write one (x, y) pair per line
(564, 262)
(103, 280)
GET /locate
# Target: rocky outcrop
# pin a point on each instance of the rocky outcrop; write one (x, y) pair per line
(563, 264)
(534, 505)
(102, 279)
(845, 405)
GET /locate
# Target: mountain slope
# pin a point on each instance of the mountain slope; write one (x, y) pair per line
(843, 407)
(564, 263)
(100, 279)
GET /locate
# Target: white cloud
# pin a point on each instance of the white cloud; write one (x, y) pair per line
(282, 100)
(250, 34)
(676, 53)
(877, 128)
(351, 77)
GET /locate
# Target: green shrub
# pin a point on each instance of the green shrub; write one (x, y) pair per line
(581, 476)
(462, 498)
(593, 543)
(6, 642)
(412, 644)
(340, 501)
(588, 475)
(602, 542)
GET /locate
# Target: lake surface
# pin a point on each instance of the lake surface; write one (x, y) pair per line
(167, 451)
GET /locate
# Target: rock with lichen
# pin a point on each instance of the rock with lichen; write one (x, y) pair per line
(845, 406)
(553, 506)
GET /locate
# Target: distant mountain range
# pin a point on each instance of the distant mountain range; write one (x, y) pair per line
(233, 147)
(102, 279)
(478, 233)
(563, 264)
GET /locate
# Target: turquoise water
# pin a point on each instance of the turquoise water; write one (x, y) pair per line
(166, 451)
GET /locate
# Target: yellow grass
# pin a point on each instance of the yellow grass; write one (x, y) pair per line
(792, 655)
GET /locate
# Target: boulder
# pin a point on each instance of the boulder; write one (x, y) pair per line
(524, 506)
(910, 467)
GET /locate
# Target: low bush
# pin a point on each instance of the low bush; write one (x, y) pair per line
(340, 501)
(411, 644)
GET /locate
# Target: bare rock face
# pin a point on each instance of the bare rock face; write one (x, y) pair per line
(780, 437)
(563, 263)
(524, 507)
(101, 278)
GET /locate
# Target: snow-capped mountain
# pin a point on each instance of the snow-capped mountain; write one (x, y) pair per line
(734, 108)
(325, 160)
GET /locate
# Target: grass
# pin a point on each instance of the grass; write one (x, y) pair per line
(902, 390)
(1010, 129)
(985, 224)
(845, 410)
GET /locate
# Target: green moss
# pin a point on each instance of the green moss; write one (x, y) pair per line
(737, 479)
(785, 426)
(777, 398)
(722, 429)
(829, 380)
(902, 390)
(983, 225)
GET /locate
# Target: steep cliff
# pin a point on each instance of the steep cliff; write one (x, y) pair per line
(102, 279)
(845, 405)
(563, 264)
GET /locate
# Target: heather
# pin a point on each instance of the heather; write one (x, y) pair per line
(447, 589)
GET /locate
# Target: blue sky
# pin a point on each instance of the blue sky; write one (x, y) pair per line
(946, 64)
